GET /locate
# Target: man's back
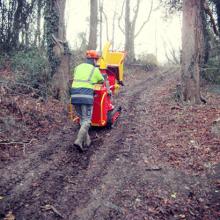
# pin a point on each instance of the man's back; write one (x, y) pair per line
(85, 76)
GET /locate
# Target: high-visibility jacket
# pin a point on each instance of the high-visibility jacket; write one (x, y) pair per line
(85, 76)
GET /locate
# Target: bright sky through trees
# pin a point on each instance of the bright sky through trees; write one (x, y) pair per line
(157, 37)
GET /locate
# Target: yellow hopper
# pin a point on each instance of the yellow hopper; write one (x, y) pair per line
(112, 60)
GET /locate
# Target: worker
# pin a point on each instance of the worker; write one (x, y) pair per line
(84, 77)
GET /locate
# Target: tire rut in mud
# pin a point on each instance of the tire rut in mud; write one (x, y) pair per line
(114, 163)
(30, 183)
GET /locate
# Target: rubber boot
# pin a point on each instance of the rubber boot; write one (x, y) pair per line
(80, 137)
(88, 140)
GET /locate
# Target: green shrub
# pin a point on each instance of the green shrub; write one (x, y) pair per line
(3, 59)
(32, 69)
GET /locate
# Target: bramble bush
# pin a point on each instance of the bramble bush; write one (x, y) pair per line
(212, 71)
(31, 69)
(77, 57)
(149, 61)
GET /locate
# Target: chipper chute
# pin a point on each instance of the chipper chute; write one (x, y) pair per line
(111, 65)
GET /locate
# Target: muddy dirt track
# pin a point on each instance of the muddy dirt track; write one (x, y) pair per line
(123, 175)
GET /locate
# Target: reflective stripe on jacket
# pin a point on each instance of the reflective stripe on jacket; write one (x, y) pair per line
(85, 76)
(82, 96)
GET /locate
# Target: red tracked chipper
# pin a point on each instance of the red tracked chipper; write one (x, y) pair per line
(111, 65)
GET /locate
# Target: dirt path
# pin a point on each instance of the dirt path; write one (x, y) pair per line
(122, 176)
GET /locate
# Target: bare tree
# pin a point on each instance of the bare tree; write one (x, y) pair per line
(37, 39)
(192, 49)
(129, 29)
(93, 24)
(113, 27)
(217, 4)
(16, 16)
(106, 24)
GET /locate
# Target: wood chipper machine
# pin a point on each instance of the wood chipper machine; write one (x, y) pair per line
(111, 65)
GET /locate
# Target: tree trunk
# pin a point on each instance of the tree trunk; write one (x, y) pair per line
(129, 43)
(93, 25)
(16, 25)
(26, 28)
(131, 56)
(130, 26)
(113, 30)
(192, 49)
(58, 53)
(37, 40)
(106, 24)
(100, 24)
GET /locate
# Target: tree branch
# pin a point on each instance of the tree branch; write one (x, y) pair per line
(113, 29)
(135, 14)
(119, 19)
(106, 20)
(16, 142)
(145, 22)
(212, 20)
